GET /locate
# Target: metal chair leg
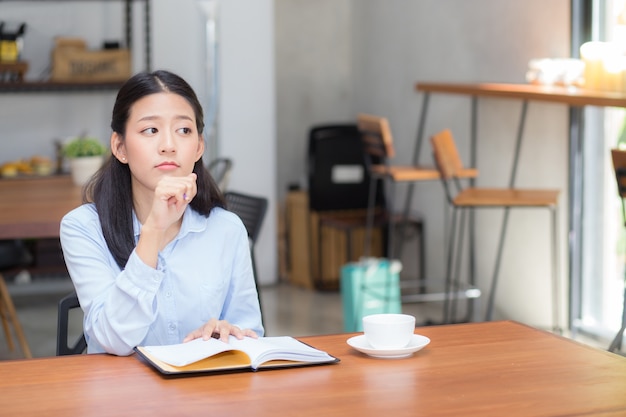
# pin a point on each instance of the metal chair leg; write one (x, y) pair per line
(422, 257)
(369, 221)
(496, 271)
(455, 260)
(616, 344)
(449, 268)
(464, 214)
(391, 249)
(556, 288)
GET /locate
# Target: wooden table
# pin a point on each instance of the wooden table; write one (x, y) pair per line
(478, 369)
(571, 96)
(576, 99)
(31, 208)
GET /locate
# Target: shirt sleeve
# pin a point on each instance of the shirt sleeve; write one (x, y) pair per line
(118, 304)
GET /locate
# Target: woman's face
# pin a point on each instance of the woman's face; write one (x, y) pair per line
(161, 139)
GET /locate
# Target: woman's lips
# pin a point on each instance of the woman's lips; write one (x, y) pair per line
(167, 165)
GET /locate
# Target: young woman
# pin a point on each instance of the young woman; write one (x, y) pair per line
(154, 256)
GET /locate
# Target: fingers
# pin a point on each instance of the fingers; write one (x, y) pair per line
(192, 188)
(221, 330)
(171, 197)
(250, 333)
(180, 191)
(189, 190)
(209, 329)
(196, 334)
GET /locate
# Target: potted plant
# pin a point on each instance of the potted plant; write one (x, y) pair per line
(85, 155)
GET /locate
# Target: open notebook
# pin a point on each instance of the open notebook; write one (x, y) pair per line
(247, 354)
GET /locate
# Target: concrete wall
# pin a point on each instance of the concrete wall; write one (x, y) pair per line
(32, 122)
(246, 121)
(394, 43)
(333, 59)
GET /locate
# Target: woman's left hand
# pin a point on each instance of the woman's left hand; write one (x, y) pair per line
(220, 329)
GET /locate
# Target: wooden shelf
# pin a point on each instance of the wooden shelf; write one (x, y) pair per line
(49, 86)
(44, 86)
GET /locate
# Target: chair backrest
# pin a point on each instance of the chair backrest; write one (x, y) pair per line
(619, 165)
(446, 154)
(251, 209)
(220, 169)
(376, 136)
(338, 178)
(67, 304)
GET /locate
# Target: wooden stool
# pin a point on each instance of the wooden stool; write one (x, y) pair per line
(463, 199)
(9, 318)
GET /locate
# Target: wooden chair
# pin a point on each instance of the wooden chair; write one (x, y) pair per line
(465, 199)
(379, 151)
(338, 186)
(619, 165)
(9, 318)
(13, 255)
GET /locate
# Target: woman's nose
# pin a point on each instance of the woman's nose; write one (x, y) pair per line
(167, 143)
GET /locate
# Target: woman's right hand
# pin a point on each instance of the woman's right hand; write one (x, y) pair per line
(171, 196)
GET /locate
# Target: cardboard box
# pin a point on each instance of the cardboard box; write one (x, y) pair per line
(297, 223)
(329, 251)
(77, 43)
(72, 62)
(304, 234)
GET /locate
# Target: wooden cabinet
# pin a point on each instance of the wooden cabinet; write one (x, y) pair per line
(307, 239)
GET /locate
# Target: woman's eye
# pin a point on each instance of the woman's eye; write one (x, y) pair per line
(185, 130)
(150, 130)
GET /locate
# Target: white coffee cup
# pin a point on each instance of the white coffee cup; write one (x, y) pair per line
(388, 331)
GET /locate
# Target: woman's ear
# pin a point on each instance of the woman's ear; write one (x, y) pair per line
(200, 150)
(117, 147)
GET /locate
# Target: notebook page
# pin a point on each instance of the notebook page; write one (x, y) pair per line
(182, 354)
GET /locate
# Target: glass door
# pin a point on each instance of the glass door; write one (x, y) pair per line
(604, 235)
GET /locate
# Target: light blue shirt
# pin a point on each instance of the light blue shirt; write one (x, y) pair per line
(205, 272)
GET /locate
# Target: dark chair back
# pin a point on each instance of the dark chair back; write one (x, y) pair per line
(338, 178)
(251, 210)
(67, 304)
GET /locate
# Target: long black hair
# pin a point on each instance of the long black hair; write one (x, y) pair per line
(110, 189)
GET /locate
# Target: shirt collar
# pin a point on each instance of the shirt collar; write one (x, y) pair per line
(192, 222)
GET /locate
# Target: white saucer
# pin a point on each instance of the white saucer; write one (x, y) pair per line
(360, 343)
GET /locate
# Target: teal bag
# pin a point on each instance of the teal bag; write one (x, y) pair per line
(370, 286)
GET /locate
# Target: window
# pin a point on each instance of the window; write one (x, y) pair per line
(604, 235)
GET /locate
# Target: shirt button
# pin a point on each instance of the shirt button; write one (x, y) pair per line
(172, 326)
(168, 294)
